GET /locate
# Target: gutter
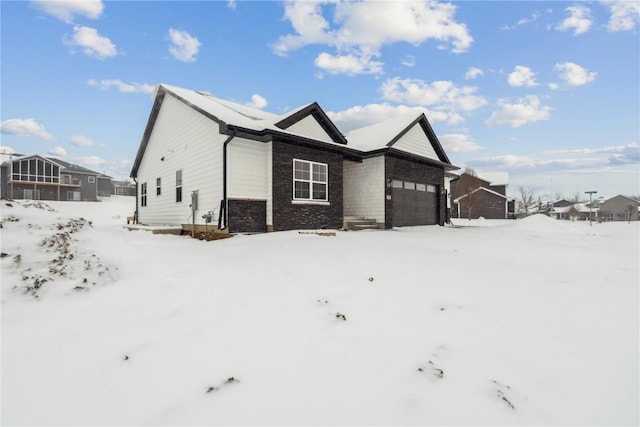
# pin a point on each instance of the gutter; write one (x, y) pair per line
(135, 218)
(224, 203)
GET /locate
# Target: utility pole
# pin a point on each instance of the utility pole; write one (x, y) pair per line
(590, 193)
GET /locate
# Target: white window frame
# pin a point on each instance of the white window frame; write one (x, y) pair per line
(311, 181)
(143, 194)
(92, 180)
(179, 186)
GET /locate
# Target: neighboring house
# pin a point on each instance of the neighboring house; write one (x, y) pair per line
(618, 208)
(207, 161)
(123, 188)
(481, 196)
(576, 211)
(44, 178)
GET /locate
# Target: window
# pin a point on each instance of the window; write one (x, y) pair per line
(92, 180)
(73, 195)
(143, 194)
(34, 170)
(178, 186)
(158, 187)
(409, 185)
(396, 183)
(609, 216)
(421, 187)
(431, 188)
(310, 180)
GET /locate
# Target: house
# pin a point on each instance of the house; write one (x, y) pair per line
(481, 196)
(45, 178)
(618, 208)
(208, 163)
(123, 188)
(576, 211)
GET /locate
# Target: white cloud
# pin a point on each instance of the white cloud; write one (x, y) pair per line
(58, 151)
(231, 4)
(522, 76)
(409, 61)
(553, 86)
(360, 29)
(458, 142)
(526, 110)
(25, 128)
(441, 95)
(66, 10)
(472, 73)
(579, 20)
(121, 86)
(625, 15)
(360, 116)
(348, 64)
(532, 18)
(184, 47)
(4, 149)
(575, 75)
(83, 141)
(257, 101)
(91, 43)
(90, 161)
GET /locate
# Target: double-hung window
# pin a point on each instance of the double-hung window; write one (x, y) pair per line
(178, 186)
(310, 181)
(143, 194)
(158, 186)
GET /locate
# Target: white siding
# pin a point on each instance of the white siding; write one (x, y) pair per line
(249, 172)
(364, 187)
(310, 128)
(190, 142)
(415, 141)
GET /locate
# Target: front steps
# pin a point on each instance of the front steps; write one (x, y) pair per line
(355, 223)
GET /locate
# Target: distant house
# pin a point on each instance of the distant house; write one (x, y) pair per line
(481, 196)
(618, 208)
(123, 188)
(45, 178)
(573, 211)
(205, 162)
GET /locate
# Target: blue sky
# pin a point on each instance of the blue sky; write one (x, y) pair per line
(546, 91)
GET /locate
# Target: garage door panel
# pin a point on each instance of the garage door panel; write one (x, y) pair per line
(413, 207)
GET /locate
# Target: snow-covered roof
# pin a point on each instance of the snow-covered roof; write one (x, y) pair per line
(378, 135)
(494, 178)
(479, 189)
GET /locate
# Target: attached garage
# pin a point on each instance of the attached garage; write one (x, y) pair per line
(414, 203)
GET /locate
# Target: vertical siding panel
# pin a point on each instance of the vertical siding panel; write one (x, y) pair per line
(190, 142)
(247, 164)
(364, 188)
(310, 128)
(416, 142)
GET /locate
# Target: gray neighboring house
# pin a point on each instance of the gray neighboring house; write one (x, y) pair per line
(123, 188)
(45, 178)
(618, 208)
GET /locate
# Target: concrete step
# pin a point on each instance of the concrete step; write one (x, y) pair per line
(363, 224)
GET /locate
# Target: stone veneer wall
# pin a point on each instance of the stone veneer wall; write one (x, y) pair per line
(291, 216)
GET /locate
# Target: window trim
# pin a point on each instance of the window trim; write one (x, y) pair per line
(143, 194)
(179, 186)
(91, 179)
(310, 181)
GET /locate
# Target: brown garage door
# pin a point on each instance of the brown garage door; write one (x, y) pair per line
(414, 204)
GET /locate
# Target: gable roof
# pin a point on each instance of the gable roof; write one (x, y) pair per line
(385, 135)
(480, 189)
(252, 123)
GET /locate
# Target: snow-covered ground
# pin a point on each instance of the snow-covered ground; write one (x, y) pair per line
(532, 321)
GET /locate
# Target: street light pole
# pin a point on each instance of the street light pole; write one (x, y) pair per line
(590, 193)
